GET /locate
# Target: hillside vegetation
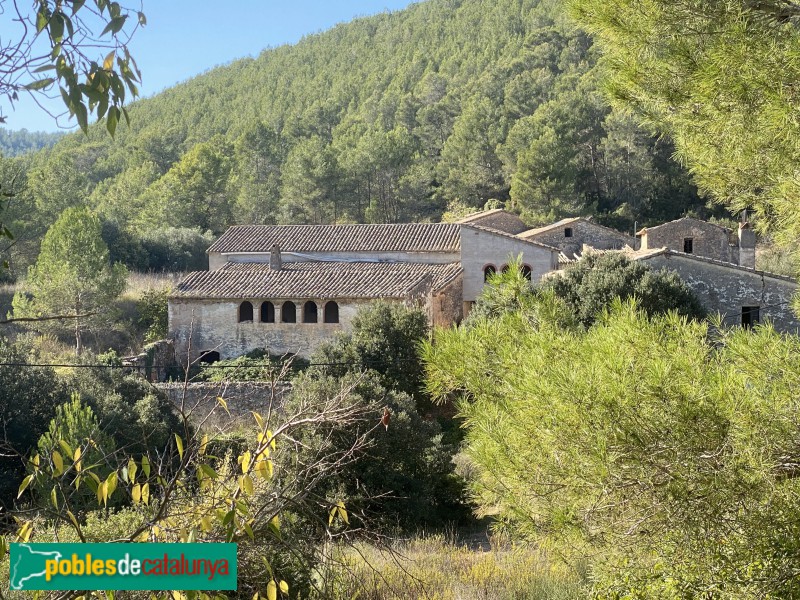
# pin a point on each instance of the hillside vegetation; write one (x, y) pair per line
(444, 106)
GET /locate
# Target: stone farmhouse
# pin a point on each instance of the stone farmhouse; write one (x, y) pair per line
(288, 288)
(572, 236)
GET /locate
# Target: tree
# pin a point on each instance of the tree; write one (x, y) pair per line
(72, 278)
(658, 449)
(589, 286)
(403, 478)
(384, 339)
(28, 398)
(50, 46)
(717, 78)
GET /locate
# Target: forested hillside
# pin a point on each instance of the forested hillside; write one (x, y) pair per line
(16, 143)
(444, 106)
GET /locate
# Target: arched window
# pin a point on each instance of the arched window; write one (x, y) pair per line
(267, 312)
(245, 312)
(331, 312)
(505, 268)
(288, 312)
(527, 272)
(310, 312)
(488, 271)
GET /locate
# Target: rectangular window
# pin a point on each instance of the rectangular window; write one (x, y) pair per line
(751, 315)
(687, 245)
(568, 232)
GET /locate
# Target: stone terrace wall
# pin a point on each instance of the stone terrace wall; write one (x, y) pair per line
(200, 399)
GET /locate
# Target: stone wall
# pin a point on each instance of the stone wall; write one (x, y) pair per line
(708, 240)
(199, 401)
(214, 326)
(480, 248)
(155, 360)
(584, 233)
(726, 289)
(446, 307)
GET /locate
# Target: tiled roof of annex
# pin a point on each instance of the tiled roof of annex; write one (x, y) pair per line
(401, 237)
(358, 280)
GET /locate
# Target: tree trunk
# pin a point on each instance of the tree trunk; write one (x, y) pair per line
(78, 341)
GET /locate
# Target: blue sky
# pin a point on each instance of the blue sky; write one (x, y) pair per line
(183, 38)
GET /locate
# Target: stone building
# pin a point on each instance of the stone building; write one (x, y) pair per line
(571, 235)
(497, 219)
(700, 238)
(742, 295)
(288, 288)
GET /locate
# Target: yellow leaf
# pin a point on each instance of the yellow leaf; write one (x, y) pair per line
(259, 420)
(76, 456)
(65, 447)
(223, 404)
(245, 461)
(58, 463)
(284, 587)
(270, 467)
(272, 590)
(109, 61)
(35, 461)
(136, 493)
(247, 484)
(205, 524)
(146, 466)
(25, 483)
(203, 445)
(132, 469)
(146, 493)
(54, 497)
(179, 443)
(25, 532)
(72, 518)
(271, 439)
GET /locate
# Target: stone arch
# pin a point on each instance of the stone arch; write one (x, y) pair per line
(246, 312)
(288, 312)
(331, 312)
(310, 312)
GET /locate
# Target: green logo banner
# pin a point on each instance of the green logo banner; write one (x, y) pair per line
(122, 567)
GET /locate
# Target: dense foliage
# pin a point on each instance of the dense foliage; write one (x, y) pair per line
(17, 143)
(589, 286)
(385, 338)
(28, 399)
(388, 118)
(403, 478)
(664, 454)
(719, 78)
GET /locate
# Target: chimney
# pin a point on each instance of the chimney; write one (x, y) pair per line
(275, 262)
(747, 246)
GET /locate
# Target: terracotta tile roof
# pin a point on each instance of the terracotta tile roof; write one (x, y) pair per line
(315, 280)
(403, 237)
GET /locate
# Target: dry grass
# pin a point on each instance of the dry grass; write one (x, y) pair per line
(433, 568)
(139, 283)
